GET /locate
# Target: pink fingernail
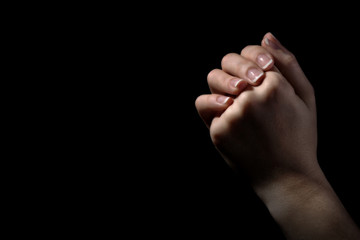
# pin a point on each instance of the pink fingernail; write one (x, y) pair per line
(235, 82)
(272, 43)
(222, 99)
(264, 61)
(254, 74)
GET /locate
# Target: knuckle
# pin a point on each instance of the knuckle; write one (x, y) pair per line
(310, 90)
(247, 102)
(289, 59)
(246, 99)
(275, 82)
(272, 86)
(311, 93)
(218, 134)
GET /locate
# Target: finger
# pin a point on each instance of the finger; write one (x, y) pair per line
(290, 68)
(236, 65)
(210, 106)
(258, 55)
(223, 83)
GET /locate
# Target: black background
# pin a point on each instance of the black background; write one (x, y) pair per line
(187, 183)
(121, 148)
(190, 187)
(182, 186)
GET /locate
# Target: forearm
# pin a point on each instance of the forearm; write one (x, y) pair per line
(261, 115)
(308, 208)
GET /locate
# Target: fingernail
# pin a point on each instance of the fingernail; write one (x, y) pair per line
(222, 99)
(235, 82)
(272, 43)
(254, 74)
(264, 61)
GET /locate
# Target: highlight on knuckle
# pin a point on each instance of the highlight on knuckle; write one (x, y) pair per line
(272, 87)
(247, 101)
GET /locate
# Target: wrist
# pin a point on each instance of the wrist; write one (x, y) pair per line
(306, 207)
(297, 185)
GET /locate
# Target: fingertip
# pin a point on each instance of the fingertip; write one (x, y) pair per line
(269, 36)
(271, 41)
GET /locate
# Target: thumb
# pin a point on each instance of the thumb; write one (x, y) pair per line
(289, 67)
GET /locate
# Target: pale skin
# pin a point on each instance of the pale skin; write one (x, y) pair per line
(261, 115)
